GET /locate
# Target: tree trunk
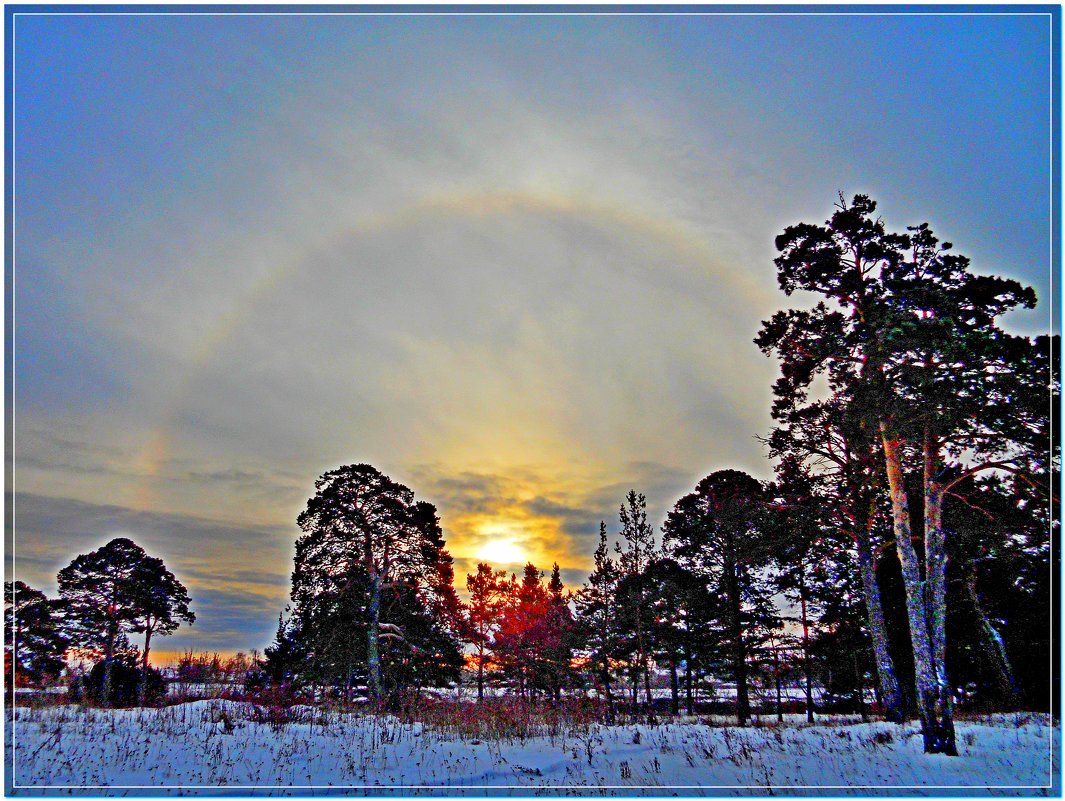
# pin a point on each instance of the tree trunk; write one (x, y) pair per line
(347, 679)
(480, 677)
(936, 740)
(610, 709)
(863, 513)
(994, 648)
(859, 688)
(887, 680)
(647, 688)
(739, 655)
(109, 658)
(373, 658)
(636, 691)
(689, 694)
(936, 596)
(674, 688)
(805, 647)
(142, 686)
(776, 679)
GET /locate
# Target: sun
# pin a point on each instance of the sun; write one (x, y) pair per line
(501, 543)
(501, 552)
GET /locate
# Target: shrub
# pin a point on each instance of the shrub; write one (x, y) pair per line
(125, 685)
(256, 680)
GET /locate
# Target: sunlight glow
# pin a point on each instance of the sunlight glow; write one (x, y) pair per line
(501, 552)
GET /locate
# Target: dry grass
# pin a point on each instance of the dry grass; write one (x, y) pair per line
(507, 718)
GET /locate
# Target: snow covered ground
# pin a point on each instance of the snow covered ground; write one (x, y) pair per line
(211, 747)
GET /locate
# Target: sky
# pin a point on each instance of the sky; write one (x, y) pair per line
(515, 262)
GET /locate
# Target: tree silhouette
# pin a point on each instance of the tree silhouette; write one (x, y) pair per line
(635, 551)
(907, 337)
(489, 597)
(162, 602)
(371, 558)
(34, 643)
(118, 589)
(716, 532)
(597, 619)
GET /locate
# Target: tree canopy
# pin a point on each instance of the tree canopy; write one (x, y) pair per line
(119, 589)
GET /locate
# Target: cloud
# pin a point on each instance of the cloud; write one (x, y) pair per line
(514, 262)
(238, 577)
(551, 514)
(540, 282)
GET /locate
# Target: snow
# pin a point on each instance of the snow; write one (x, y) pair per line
(210, 746)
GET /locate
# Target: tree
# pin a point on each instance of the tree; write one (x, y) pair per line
(957, 393)
(489, 597)
(998, 571)
(442, 601)
(834, 449)
(596, 616)
(836, 438)
(34, 643)
(283, 659)
(633, 604)
(521, 642)
(128, 684)
(559, 632)
(801, 543)
(909, 342)
(162, 602)
(716, 532)
(118, 589)
(679, 604)
(371, 559)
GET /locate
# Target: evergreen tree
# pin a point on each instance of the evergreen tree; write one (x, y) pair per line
(717, 534)
(802, 543)
(910, 344)
(559, 630)
(520, 645)
(635, 551)
(162, 603)
(370, 564)
(677, 600)
(596, 617)
(998, 571)
(489, 597)
(285, 658)
(34, 643)
(115, 590)
(834, 446)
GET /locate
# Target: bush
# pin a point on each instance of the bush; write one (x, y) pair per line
(125, 685)
(256, 680)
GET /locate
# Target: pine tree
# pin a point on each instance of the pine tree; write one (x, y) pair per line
(559, 632)
(717, 534)
(521, 643)
(836, 451)
(115, 590)
(371, 561)
(911, 345)
(489, 597)
(34, 643)
(596, 615)
(635, 551)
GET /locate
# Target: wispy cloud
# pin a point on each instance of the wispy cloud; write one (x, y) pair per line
(238, 577)
(514, 261)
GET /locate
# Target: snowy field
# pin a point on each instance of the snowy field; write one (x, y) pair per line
(212, 747)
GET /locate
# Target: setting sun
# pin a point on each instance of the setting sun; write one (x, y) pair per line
(501, 552)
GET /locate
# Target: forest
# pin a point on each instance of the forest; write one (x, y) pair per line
(898, 564)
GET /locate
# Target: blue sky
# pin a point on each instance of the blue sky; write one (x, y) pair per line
(514, 261)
